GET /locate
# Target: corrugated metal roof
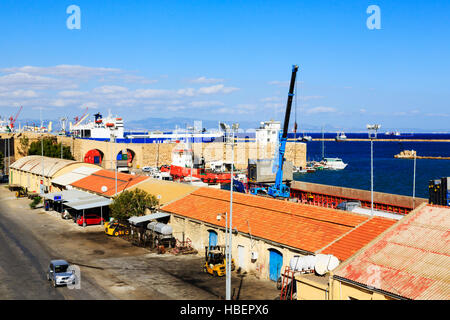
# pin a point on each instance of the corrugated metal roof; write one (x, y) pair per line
(71, 195)
(157, 215)
(411, 259)
(90, 203)
(41, 165)
(74, 175)
(308, 228)
(20, 162)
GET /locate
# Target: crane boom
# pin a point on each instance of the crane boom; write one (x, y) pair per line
(12, 121)
(79, 120)
(279, 189)
(287, 115)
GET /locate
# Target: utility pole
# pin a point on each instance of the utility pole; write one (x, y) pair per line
(323, 145)
(235, 126)
(372, 135)
(42, 152)
(226, 129)
(414, 181)
(4, 157)
(9, 152)
(115, 154)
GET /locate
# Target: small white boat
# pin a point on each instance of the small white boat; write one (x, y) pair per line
(194, 181)
(334, 164)
(298, 170)
(306, 138)
(341, 136)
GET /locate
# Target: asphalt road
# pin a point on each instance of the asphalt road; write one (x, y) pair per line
(23, 262)
(111, 267)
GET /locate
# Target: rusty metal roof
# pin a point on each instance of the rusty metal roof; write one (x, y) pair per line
(411, 259)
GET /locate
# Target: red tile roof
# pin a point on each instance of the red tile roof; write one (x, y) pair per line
(305, 227)
(97, 180)
(411, 259)
(357, 238)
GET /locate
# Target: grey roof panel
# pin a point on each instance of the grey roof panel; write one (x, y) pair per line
(157, 215)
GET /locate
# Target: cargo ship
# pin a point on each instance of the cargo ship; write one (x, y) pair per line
(99, 129)
(103, 129)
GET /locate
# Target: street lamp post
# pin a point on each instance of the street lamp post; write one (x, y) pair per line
(112, 139)
(226, 128)
(372, 128)
(219, 216)
(115, 154)
(414, 181)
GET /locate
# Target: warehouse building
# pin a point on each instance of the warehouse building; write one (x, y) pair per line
(267, 233)
(409, 260)
(63, 182)
(104, 182)
(165, 191)
(33, 171)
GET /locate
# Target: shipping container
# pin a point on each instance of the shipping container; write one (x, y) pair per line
(264, 171)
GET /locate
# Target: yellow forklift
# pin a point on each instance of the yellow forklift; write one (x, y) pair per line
(215, 261)
(20, 192)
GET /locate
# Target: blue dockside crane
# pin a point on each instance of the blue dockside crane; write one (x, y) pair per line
(279, 189)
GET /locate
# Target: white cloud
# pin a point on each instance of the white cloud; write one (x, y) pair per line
(320, 109)
(189, 92)
(110, 89)
(201, 104)
(152, 93)
(22, 80)
(72, 93)
(220, 88)
(71, 71)
(90, 105)
(205, 80)
(19, 94)
(270, 99)
(62, 102)
(60, 86)
(279, 83)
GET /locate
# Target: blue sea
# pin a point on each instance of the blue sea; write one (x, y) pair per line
(390, 175)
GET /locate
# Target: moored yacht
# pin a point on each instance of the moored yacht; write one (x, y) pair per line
(334, 163)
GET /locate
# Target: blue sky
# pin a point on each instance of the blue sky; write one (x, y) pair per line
(230, 60)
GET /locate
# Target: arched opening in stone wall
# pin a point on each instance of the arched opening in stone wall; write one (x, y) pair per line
(125, 159)
(94, 156)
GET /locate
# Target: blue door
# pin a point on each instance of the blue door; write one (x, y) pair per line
(212, 238)
(275, 263)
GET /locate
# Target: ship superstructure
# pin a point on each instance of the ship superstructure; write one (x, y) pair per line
(100, 128)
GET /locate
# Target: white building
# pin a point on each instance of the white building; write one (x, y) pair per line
(268, 132)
